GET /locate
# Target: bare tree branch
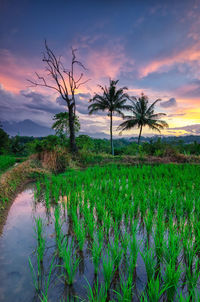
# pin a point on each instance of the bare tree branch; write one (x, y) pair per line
(65, 82)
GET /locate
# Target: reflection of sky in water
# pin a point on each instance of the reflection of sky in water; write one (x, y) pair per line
(16, 245)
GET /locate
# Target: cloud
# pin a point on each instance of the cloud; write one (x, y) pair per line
(176, 114)
(27, 105)
(14, 70)
(190, 90)
(38, 101)
(170, 103)
(189, 56)
(189, 129)
(39, 108)
(81, 102)
(108, 63)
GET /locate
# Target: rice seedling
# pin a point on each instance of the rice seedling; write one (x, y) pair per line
(181, 298)
(108, 268)
(44, 297)
(171, 279)
(148, 256)
(70, 262)
(96, 254)
(80, 233)
(155, 290)
(126, 289)
(159, 236)
(116, 251)
(40, 239)
(97, 293)
(58, 231)
(133, 250)
(192, 275)
(148, 220)
(36, 276)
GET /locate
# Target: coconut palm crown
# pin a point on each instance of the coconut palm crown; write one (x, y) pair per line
(112, 100)
(143, 115)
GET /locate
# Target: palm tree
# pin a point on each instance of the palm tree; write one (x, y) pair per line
(61, 124)
(143, 115)
(112, 100)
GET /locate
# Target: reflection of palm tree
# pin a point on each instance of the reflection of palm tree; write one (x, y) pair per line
(112, 100)
(143, 115)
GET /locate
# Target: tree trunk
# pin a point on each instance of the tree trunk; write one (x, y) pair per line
(139, 135)
(111, 137)
(73, 146)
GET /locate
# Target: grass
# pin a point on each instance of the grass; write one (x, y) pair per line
(13, 180)
(123, 220)
(6, 161)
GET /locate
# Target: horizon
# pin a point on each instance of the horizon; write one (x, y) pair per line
(150, 47)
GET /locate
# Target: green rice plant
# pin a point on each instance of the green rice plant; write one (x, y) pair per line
(70, 262)
(171, 279)
(134, 245)
(96, 254)
(116, 251)
(47, 193)
(192, 276)
(180, 298)
(40, 239)
(188, 250)
(108, 268)
(100, 236)
(172, 247)
(154, 290)
(159, 238)
(91, 226)
(36, 276)
(148, 220)
(44, 297)
(144, 297)
(107, 223)
(197, 236)
(148, 256)
(58, 230)
(97, 293)
(126, 289)
(80, 232)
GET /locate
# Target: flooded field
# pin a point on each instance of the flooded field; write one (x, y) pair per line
(109, 233)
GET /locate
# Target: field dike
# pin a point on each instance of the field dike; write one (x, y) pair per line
(13, 181)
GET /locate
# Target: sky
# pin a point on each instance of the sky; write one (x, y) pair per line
(149, 46)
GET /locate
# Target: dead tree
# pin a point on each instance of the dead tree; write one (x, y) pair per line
(65, 82)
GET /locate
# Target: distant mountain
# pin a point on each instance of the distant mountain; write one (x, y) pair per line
(187, 139)
(30, 128)
(26, 128)
(100, 135)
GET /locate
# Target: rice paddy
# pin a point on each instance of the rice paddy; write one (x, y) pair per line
(122, 233)
(112, 233)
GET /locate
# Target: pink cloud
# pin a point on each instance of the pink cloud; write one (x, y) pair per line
(108, 63)
(15, 70)
(189, 55)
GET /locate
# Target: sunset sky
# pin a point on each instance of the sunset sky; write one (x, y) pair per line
(150, 46)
